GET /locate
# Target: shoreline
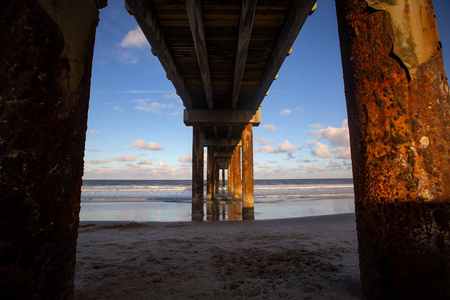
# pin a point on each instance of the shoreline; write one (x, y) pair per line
(283, 207)
(308, 257)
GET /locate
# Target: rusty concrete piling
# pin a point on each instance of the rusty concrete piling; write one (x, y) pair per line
(237, 180)
(399, 120)
(46, 53)
(197, 173)
(248, 203)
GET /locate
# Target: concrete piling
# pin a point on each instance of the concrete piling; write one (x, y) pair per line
(399, 119)
(248, 203)
(197, 173)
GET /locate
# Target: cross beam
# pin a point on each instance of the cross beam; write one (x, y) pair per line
(222, 117)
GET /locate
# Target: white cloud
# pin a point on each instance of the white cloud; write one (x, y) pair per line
(94, 150)
(187, 159)
(285, 111)
(152, 106)
(134, 38)
(342, 153)
(161, 165)
(270, 127)
(145, 162)
(321, 151)
(129, 170)
(268, 149)
(97, 162)
(336, 136)
(92, 131)
(141, 144)
(171, 96)
(305, 160)
(126, 56)
(128, 158)
(117, 108)
(264, 140)
(317, 126)
(145, 92)
(286, 147)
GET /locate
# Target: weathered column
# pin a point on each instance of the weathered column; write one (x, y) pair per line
(223, 177)
(399, 117)
(46, 50)
(216, 178)
(209, 174)
(197, 173)
(236, 161)
(248, 205)
(229, 178)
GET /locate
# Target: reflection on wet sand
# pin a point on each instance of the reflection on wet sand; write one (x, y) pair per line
(224, 207)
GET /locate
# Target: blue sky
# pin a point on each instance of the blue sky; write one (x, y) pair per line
(136, 129)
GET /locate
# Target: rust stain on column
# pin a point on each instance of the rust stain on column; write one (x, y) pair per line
(400, 142)
(248, 204)
(197, 173)
(231, 177)
(236, 161)
(209, 174)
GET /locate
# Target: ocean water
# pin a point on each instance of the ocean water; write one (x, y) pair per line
(170, 200)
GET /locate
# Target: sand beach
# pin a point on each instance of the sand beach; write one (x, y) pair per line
(296, 258)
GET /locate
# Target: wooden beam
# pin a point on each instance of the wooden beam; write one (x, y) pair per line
(298, 13)
(216, 132)
(222, 143)
(195, 15)
(245, 30)
(146, 19)
(222, 161)
(223, 154)
(223, 117)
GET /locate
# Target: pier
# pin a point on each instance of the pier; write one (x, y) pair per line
(222, 68)
(222, 57)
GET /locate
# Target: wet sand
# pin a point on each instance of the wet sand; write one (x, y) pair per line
(299, 258)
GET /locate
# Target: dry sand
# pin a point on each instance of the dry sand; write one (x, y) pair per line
(303, 258)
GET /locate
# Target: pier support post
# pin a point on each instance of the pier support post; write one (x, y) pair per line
(223, 177)
(236, 162)
(197, 173)
(399, 119)
(229, 178)
(47, 49)
(248, 204)
(209, 174)
(216, 177)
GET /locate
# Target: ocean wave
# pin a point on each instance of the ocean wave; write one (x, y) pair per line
(306, 195)
(313, 187)
(134, 189)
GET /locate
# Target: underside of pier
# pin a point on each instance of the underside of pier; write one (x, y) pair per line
(222, 57)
